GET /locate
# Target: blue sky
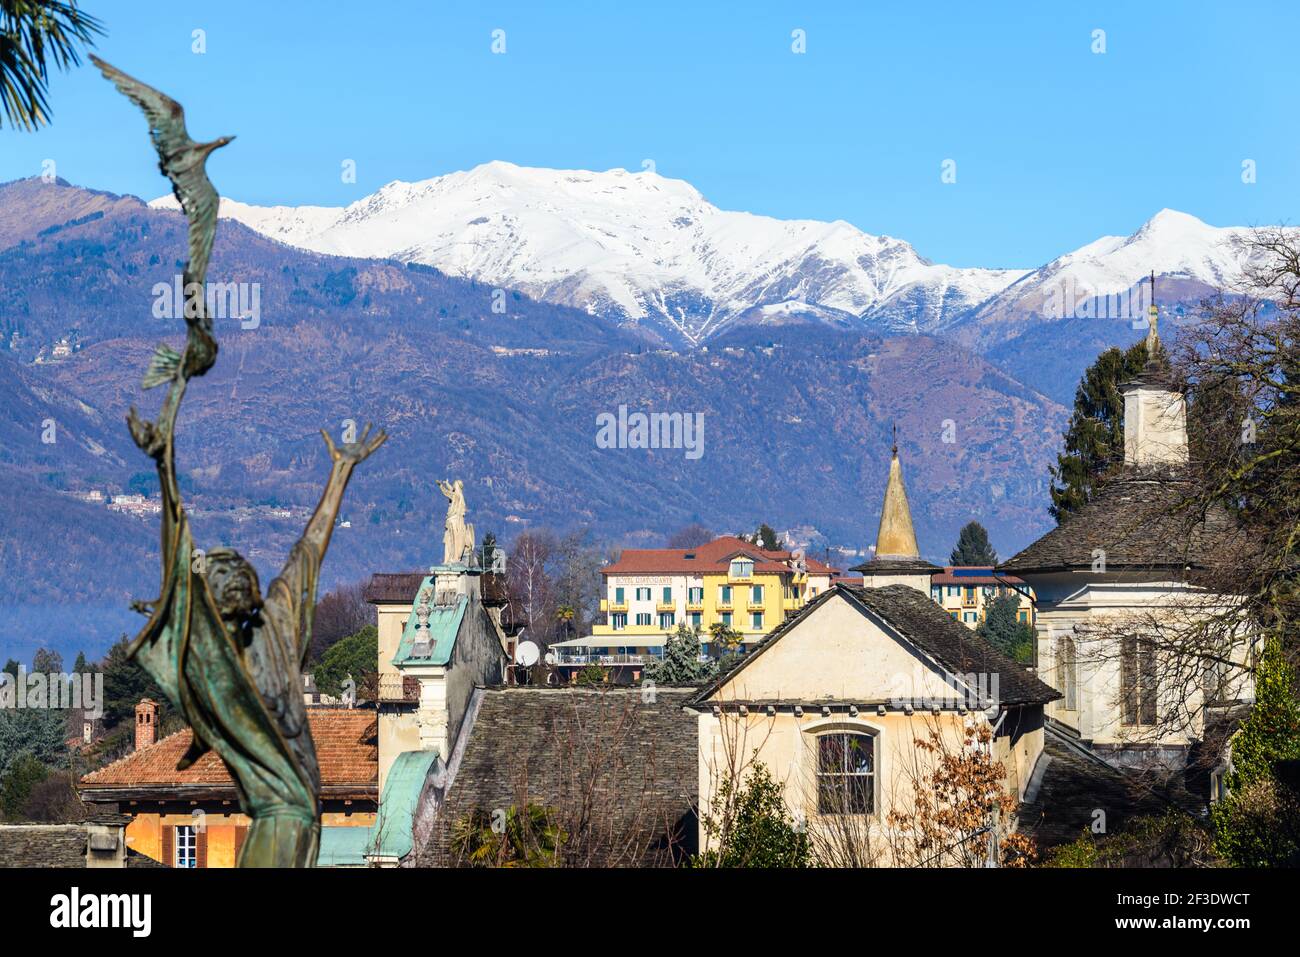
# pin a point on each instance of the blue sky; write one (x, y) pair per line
(1054, 145)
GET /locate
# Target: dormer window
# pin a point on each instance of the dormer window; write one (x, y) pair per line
(741, 568)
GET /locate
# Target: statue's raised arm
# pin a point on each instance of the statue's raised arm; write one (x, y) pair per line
(228, 660)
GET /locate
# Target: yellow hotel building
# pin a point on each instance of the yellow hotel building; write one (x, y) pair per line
(650, 591)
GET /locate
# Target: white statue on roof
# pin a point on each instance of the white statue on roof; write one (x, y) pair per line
(457, 537)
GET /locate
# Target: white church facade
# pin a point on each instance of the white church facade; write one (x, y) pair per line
(1123, 589)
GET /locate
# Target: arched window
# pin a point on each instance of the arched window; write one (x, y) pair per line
(846, 773)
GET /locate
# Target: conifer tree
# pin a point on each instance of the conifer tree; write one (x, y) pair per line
(1003, 628)
(1255, 825)
(1094, 439)
(681, 663)
(973, 547)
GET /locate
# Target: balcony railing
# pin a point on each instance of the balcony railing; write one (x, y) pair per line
(394, 687)
(568, 659)
(666, 606)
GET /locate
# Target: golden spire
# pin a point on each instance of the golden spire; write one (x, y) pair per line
(896, 537)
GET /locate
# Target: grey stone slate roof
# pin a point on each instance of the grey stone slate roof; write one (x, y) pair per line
(54, 845)
(919, 620)
(399, 588)
(43, 845)
(885, 565)
(557, 747)
(1136, 521)
(956, 647)
(1070, 784)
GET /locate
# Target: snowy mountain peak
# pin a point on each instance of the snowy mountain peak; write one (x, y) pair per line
(637, 247)
(642, 249)
(1172, 244)
(1172, 226)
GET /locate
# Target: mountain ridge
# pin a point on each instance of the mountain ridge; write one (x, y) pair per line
(643, 249)
(652, 254)
(797, 416)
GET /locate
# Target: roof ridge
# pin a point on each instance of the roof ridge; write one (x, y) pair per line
(130, 755)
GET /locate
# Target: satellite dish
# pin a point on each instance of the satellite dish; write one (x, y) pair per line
(550, 658)
(527, 654)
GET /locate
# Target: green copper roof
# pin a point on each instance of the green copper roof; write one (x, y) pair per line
(444, 624)
(343, 846)
(393, 830)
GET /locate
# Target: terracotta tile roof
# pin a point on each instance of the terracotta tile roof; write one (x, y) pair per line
(346, 747)
(967, 575)
(712, 557)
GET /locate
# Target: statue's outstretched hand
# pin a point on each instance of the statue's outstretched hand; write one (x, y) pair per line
(358, 451)
(146, 435)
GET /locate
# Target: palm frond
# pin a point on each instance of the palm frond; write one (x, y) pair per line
(35, 34)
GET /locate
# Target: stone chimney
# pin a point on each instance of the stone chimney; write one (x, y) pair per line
(146, 723)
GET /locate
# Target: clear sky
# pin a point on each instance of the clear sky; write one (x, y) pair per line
(1054, 144)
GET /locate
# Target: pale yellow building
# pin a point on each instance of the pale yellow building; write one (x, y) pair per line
(834, 702)
(965, 592)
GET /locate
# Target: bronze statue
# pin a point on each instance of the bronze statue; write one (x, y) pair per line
(230, 659)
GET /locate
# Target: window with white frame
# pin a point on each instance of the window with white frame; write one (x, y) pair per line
(741, 568)
(187, 846)
(643, 594)
(618, 622)
(756, 621)
(846, 773)
(643, 618)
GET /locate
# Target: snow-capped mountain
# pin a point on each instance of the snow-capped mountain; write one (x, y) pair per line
(1104, 279)
(635, 247)
(645, 250)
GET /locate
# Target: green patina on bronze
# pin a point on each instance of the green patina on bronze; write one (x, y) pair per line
(228, 658)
